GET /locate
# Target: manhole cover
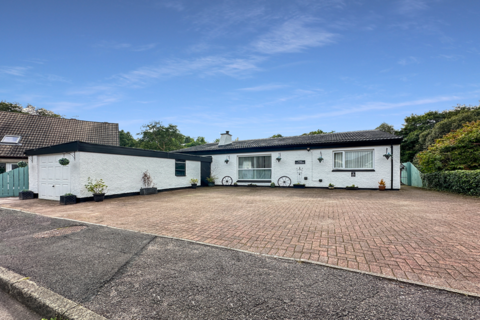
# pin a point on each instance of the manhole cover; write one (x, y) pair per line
(58, 232)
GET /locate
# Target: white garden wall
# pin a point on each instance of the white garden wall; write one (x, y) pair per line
(314, 170)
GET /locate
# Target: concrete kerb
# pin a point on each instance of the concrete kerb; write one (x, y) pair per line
(466, 293)
(41, 300)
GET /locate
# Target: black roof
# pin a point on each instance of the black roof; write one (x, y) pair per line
(40, 131)
(80, 146)
(352, 138)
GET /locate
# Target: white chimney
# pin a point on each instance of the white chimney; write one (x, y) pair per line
(225, 138)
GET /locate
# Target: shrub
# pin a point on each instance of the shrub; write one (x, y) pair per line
(22, 164)
(147, 180)
(97, 187)
(459, 181)
(458, 150)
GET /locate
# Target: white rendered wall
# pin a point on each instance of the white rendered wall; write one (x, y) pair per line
(121, 173)
(314, 170)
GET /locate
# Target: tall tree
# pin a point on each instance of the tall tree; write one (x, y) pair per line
(316, 132)
(156, 136)
(127, 140)
(456, 150)
(190, 142)
(415, 125)
(16, 107)
(385, 127)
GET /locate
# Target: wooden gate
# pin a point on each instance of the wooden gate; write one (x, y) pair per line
(12, 182)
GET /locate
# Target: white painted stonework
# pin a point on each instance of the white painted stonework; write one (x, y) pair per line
(121, 173)
(313, 170)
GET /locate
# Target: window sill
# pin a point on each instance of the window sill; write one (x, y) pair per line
(259, 181)
(353, 170)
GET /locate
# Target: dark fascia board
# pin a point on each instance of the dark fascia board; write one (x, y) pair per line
(303, 147)
(78, 146)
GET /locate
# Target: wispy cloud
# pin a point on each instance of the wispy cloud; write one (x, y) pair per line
(14, 71)
(124, 46)
(409, 7)
(407, 61)
(221, 20)
(265, 87)
(205, 66)
(293, 36)
(376, 106)
(172, 4)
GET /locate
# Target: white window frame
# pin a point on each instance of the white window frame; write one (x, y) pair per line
(343, 159)
(11, 136)
(253, 156)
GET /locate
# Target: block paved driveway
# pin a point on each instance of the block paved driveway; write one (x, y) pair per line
(419, 235)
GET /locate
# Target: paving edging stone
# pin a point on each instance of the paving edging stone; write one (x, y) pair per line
(466, 293)
(42, 300)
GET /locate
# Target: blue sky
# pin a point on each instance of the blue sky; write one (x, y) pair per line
(256, 68)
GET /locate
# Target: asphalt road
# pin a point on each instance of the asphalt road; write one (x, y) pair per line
(128, 275)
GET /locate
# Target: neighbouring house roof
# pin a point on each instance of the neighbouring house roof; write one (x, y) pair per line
(40, 131)
(330, 140)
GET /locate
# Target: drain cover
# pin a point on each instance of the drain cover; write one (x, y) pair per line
(59, 232)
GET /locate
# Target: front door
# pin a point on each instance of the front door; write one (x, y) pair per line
(54, 178)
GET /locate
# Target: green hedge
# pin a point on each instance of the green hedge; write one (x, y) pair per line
(459, 181)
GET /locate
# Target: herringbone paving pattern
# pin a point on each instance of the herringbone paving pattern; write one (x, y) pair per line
(414, 234)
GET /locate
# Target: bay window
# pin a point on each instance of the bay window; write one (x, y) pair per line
(255, 168)
(361, 159)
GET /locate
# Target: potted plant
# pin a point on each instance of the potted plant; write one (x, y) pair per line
(22, 164)
(235, 184)
(97, 188)
(272, 185)
(211, 181)
(25, 194)
(64, 161)
(299, 186)
(148, 185)
(381, 185)
(352, 187)
(331, 186)
(320, 159)
(68, 198)
(194, 182)
(252, 185)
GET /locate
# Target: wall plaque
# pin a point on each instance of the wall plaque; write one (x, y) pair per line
(299, 161)
(353, 173)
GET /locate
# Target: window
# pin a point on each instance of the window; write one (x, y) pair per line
(11, 139)
(180, 168)
(255, 168)
(353, 159)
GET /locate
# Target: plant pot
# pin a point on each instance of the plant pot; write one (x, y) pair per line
(65, 200)
(351, 188)
(272, 186)
(211, 184)
(25, 195)
(194, 186)
(331, 188)
(235, 185)
(299, 186)
(147, 191)
(98, 197)
(381, 188)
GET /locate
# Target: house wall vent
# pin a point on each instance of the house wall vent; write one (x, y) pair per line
(225, 138)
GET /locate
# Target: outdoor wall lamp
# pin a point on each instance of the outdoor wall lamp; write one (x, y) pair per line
(320, 159)
(279, 158)
(387, 155)
(227, 159)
